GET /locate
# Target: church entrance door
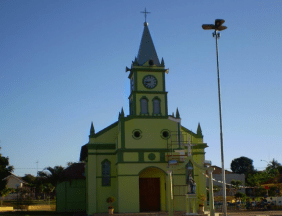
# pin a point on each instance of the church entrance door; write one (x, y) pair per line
(149, 194)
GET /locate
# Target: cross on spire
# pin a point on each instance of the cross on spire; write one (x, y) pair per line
(145, 12)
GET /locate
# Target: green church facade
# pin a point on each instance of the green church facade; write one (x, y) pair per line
(130, 159)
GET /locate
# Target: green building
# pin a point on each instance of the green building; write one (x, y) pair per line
(129, 159)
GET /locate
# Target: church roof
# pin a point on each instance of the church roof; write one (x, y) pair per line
(75, 171)
(218, 170)
(147, 49)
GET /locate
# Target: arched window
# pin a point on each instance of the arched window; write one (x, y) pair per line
(106, 173)
(156, 106)
(144, 106)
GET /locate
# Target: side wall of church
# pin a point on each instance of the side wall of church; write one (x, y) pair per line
(71, 196)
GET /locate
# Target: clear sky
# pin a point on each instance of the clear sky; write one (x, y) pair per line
(62, 65)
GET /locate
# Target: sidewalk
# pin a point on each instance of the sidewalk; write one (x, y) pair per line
(253, 213)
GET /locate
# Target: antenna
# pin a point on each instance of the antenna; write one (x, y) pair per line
(37, 168)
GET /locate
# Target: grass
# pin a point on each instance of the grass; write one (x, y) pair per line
(20, 204)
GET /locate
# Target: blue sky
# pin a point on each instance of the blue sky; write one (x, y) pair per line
(62, 65)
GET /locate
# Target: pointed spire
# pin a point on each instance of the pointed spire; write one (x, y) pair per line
(92, 130)
(147, 49)
(135, 62)
(162, 63)
(177, 113)
(199, 130)
(122, 112)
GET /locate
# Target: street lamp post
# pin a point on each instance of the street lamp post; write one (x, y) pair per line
(218, 27)
(265, 161)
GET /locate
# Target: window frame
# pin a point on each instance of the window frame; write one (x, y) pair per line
(104, 175)
(144, 99)
(159, 101)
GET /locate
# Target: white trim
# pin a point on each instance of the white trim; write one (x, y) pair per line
(174, 119)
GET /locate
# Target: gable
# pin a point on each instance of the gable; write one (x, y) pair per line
(107, 135)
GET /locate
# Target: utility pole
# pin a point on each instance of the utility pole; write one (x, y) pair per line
(37, 168)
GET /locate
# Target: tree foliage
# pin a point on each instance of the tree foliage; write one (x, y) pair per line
(51, 175)
(30, 179)
(5, 171)
(236, 185)
(240, 196)
(6, 191)
(274, 166)
(242, 165)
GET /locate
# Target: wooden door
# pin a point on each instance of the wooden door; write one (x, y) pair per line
(149, 194)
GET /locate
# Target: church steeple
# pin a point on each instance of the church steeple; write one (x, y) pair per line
(148, 95)
(147, 49)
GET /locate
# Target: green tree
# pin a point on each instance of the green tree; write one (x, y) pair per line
(242, 165)
(240, 196)
(5, 171)
(272, 191)
(258, 178)
(6, 191)
(236, 185)
(273, 168)
(30, 179)
(273, 164)
(41, 189)
(52, 175)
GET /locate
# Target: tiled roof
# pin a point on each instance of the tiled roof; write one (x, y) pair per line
(218, 170)
(75, 171)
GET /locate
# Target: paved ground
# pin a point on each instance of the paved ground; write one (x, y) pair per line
(234, 213)
(254, 213)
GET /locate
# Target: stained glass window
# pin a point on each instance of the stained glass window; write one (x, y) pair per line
(106, 173)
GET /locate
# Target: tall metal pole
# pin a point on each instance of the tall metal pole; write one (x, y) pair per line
(217, 35)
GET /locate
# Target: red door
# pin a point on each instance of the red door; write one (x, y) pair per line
(149, 194)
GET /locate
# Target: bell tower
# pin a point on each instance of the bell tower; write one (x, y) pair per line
(148, 96)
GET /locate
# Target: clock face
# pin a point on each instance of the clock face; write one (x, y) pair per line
(150, 81)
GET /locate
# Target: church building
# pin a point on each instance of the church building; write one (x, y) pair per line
(130, 158)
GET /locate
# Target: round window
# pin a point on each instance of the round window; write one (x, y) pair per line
(165, 134)
(137, 134)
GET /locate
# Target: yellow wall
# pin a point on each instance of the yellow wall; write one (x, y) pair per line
(132, 156)
(147, 126)
(128, 194)
(108, 137)
(150, 98)
(146, 158)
